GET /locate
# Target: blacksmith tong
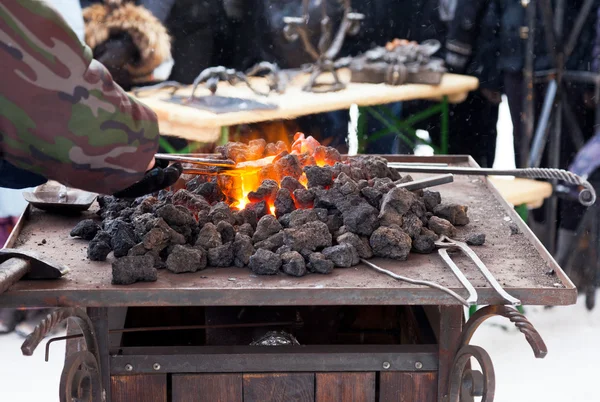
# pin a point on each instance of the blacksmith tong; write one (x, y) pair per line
(16, 264)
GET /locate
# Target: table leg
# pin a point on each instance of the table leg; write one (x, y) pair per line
(445, 132)
(99, 318)
(451, 322)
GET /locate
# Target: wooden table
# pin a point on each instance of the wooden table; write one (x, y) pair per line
(204, 126)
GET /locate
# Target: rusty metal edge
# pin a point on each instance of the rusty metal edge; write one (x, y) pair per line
(246, 359)
(14, 235)
(537, 244)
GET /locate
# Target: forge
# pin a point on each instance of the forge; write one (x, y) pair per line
(276, 208)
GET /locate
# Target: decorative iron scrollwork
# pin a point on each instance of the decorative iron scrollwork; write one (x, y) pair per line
(81, 378)
(329, 45)
(465, 383)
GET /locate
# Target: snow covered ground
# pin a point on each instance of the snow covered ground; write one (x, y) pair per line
(565, 375)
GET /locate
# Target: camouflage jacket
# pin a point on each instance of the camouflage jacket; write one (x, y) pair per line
(61, 114)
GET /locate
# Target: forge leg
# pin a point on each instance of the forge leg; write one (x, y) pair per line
(99, 318)
(451, 323)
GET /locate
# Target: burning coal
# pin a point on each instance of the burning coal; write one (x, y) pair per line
(297, 210)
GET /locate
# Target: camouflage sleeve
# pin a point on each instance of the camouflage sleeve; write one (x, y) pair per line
(61, 113)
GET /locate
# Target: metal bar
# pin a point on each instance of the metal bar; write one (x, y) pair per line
(99, 318)
(428, 182)
(417, 282)
(550, 34)
(253, 359)
(200, 161)
(576, 31)
(472, 299)
(451, 323)
(445, 132)
(541, 133)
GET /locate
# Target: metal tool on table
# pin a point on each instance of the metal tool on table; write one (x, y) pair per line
(56, 197)
(444, 244)
(18, 264)
(587, 195)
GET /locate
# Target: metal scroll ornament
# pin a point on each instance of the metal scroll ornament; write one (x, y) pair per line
(81, 379)
(328, 47)
(465, 383)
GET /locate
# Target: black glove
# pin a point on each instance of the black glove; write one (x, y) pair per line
(156, 179)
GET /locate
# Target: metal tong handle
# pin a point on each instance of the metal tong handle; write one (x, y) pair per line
(445, 242)
(587, 196)
(472, 299)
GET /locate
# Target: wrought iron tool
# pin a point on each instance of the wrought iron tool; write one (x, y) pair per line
(444, 244)
(16, 264)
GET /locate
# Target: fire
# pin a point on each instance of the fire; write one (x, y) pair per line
(253, 167)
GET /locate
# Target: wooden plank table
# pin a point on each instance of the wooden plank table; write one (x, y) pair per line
(201, 125)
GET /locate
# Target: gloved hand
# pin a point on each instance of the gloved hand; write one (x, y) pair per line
(158, 178)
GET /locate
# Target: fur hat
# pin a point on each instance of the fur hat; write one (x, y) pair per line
(149, 35)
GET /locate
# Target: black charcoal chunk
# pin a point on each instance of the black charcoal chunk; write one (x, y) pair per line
(210, 191)
(260, 209)
(429, 233)
(293, 263)
(190, 201)
(221, 256)
(176, 216)
(431, 199)
(272, 243)
(99, 247)
(343, 255)
(291, 184)
(391, 243)
(129, 270)
(265, 262)
(361, 244)
(288, 166)
(476, 239)
(267, 226)
(394, 205)
(412, 225)
(514, 229)
(209, 237)
(335, 221)
(122, 239)
(423, 245)
(242, 250)
(442, 227)
(310, 236)
(221, 212)
(372, 195)
(246, 229)
(227, 231)
(284, 203)
(156, 239)
(300, 217)
(142, 224)
(383, 185)
(453, 213)
(361, 219)
(319, 176)
(86, 229)
(267, 191)
(174, 237)
(318, 263)
(186, 259)
(248, 215)
(283, 249)
(137, 250)
(304, 198)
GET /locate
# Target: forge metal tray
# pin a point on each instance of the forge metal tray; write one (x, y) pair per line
(518, 261)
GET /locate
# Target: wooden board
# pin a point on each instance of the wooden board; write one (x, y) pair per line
(201, 125)
(297, 387)
(147, 388)
(518, 191)
(207, 387)
(342, 387)
(407, 387)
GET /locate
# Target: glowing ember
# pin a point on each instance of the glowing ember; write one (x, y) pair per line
(258, 161)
